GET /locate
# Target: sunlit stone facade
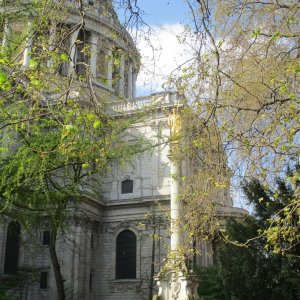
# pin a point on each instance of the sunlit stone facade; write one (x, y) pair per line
(121, 212)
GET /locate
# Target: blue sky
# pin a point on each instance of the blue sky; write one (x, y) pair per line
(159, 12)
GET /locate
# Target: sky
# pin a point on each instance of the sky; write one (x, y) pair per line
(160, 51)
(158, 12)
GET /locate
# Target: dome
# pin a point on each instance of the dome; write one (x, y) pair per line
(112, 59)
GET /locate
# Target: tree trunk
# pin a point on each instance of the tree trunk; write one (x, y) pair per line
(56, 266)
(151, 285)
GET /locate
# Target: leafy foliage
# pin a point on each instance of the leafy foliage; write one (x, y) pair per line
(211, 286)
(3, 295)
(243, 88)
(278, 213)
(58, 134)
(254, 271)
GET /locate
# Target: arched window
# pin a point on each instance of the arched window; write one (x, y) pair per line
(127, 186)
(126, 255)
(12, 248)
(82, 51)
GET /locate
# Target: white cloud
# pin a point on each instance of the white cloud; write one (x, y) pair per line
(162, 51)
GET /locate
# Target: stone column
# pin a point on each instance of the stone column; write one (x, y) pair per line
(28, 45)
(73, 50)
(174, 281)
(122, 76)
(76, 266)
(51, 42)
(130, 81)
(134, 78)
(175, 203)
(110, 69)
(6, 34)
(94, 53)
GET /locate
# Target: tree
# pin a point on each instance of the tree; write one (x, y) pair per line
(246, 257)
(211, 285)
(275, 211)
(57, 133)
(3, 294)
(265, 273)
(243, 86)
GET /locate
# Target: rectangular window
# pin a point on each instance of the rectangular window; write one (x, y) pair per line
(46, 238)
(44, 280)
(92, 241)
(91, 282)
(127, 186)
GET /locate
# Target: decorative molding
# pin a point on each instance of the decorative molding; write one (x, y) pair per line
(110, 227)
(174, 286)
(125, 285)
(113, 227)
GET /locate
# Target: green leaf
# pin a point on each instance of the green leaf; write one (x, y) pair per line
(36, 82)
(97, 124)
(3, 76)
(283, 89)
(91, 116)
(33, 63)
(64, 57)
(275, 36)
(69, 127)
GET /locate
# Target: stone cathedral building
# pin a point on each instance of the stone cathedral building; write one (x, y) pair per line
(108, 252)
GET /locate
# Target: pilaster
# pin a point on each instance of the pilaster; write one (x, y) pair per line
(6, 34)
(110, 69)
(28, 45)
(122, 76)
(94, 50)
(134, 78)
(73, 50)
(130, 81)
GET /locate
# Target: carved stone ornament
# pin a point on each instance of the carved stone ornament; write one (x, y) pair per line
(123, 286)
(174, 286)
(154, 125)
(124, 225)
(175, 121)
(112, 227)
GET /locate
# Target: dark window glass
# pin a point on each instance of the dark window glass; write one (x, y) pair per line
(92, 241)
(44, 280)
(91, 282)
(12, 248)
(46, 237)
(126, 255)
(62, 39)
(82, 52)
(127, 186)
